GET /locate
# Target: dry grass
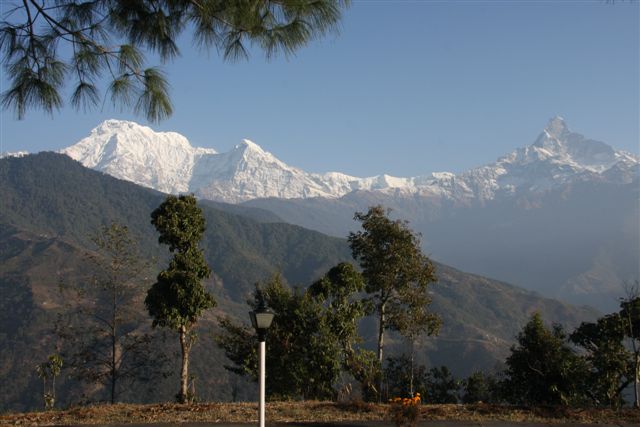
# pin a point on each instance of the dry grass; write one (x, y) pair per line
(310, 412)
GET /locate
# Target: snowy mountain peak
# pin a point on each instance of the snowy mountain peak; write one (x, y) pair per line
(127, 150)
(554, 135)
(558, 145)
(248, 151)
(249, 145)
(115, 124)
(556, 127)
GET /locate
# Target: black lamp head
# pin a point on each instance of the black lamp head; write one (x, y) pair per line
(261, 317)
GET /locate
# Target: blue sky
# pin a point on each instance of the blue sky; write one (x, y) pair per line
(406, 88)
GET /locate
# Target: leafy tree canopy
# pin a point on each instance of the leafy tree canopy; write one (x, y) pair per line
(542, 368)
(610, 363)
(310, 340)
(396, 274)
(481, 387)
(442, 386)
(336, 291)
(49, 43)
(630, 312)
(398, 373)
(178, 298)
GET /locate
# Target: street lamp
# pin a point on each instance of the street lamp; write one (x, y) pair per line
(261, 319)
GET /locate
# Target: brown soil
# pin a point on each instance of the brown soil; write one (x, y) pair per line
(309, 411)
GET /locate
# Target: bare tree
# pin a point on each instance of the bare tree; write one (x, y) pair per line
(101, 329)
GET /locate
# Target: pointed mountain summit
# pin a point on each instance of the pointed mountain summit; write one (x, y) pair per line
(556, 127)
(557, 144)
(249, 172)
(248, 145)
(557, 157)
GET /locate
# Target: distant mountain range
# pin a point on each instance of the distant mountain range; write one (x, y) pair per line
(51, 205)
(167, 162)
(560, 215)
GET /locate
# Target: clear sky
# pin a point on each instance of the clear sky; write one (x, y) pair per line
(406, 88)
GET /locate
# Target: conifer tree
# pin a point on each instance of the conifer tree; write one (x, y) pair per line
(47, 44)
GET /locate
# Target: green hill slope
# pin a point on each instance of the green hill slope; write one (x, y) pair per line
(51, 204)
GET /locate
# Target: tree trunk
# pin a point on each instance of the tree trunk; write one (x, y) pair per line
(184, 372)
(636, 402)
(114, 343)
(381, 326)
(381, 347)
(411, 379)
(113, 367)
(44, 392)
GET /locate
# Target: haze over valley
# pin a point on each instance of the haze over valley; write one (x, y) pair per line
(558, 215)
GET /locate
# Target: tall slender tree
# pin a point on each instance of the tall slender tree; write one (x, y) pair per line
(49, 369)
(178, 298)
(396, 273)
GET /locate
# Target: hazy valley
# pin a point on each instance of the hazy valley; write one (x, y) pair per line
(559, 216)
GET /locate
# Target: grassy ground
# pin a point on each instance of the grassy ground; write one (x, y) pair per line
(309, 411)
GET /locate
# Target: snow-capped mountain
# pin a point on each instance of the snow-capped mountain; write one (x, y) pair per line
(126, 150)
(167, 162)
(248, 172)
(5, 154)
(559, 216)
(558, 156)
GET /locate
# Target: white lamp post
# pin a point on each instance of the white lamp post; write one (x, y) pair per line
(261, 319)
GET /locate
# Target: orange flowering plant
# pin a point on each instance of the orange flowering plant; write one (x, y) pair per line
(405, 410)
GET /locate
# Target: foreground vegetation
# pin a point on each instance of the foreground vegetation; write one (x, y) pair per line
(312, 412)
